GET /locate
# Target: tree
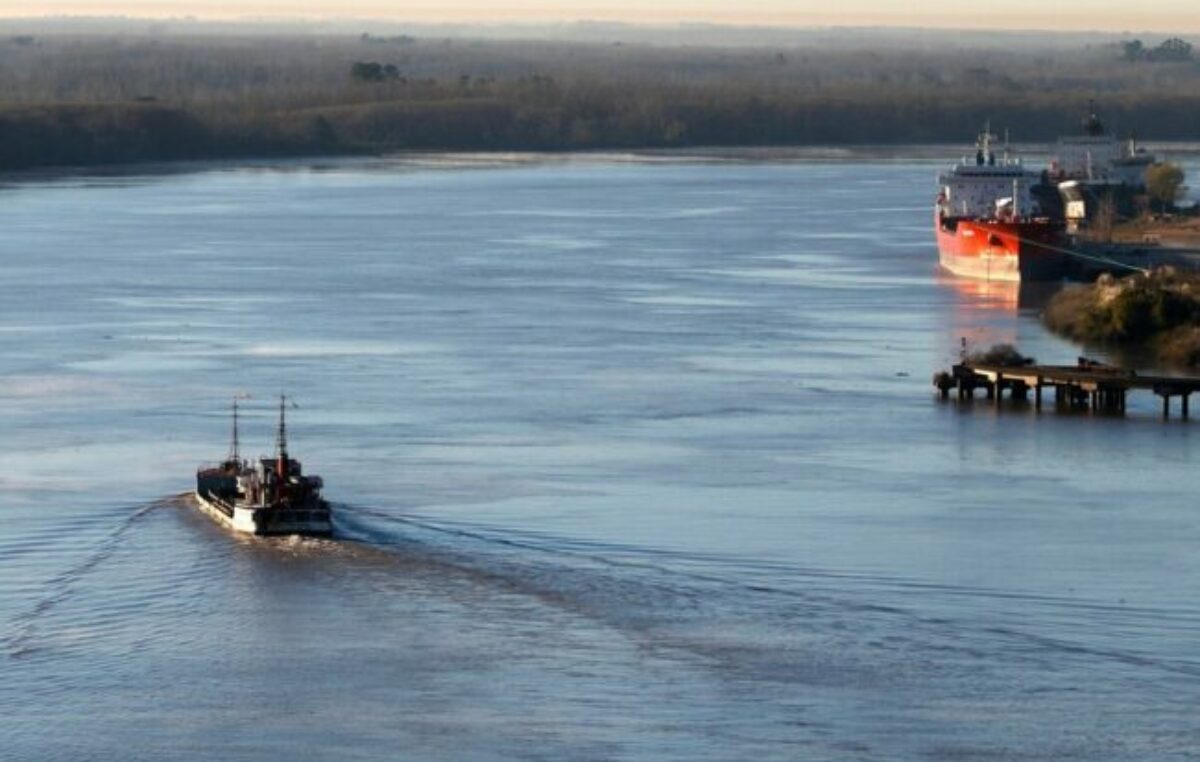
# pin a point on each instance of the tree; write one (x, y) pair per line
(1134, 50)
(1173, 49)
(1164, 184)
(367, 71)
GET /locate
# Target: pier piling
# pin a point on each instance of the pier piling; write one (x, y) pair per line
(1087, 386)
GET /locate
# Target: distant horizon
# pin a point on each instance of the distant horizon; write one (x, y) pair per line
(1107, 18)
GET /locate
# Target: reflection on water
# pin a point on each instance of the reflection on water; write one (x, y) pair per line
(992, 295)
(632, 461)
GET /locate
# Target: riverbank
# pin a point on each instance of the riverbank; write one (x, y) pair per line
(1180, 231)
(1158, 312)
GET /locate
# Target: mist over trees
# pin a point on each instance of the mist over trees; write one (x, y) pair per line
(1173, 50)
(90, 98)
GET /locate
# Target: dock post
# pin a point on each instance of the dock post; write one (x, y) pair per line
(1037, 394)
(999, 388)
(1184, 400)
(1166, 405)
(1019, 391)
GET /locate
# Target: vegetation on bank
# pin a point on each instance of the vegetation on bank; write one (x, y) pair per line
(1159, 311)
(91, 99)
(1164, 185)
(1005, 355)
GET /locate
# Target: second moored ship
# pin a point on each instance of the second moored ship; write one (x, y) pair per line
(271, 496)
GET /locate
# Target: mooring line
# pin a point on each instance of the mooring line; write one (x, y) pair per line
(1081, 255)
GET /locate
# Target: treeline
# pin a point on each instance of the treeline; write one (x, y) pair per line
(82, 101)
(90, 135)
(1173, 50)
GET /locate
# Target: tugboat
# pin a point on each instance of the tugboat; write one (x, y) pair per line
(272, 496)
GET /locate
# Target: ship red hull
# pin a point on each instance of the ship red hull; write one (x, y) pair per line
(999, 250)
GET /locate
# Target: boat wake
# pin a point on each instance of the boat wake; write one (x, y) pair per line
(794, 652)
(21, 638)
(776, 621)
(876, 629)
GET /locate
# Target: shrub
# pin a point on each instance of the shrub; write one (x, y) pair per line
(1161, 309)
(1005, 355)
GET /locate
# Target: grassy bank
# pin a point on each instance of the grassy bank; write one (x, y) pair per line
(72, 99)
(1159, 311)
(1181, 230)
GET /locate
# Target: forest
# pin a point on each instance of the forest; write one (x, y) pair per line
(91, 97)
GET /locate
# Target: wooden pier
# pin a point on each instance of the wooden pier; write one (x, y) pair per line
(1088, 385)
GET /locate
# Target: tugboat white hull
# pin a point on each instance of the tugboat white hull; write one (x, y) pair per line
(262, 520)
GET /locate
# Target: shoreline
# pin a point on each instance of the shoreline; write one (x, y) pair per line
(934, 153)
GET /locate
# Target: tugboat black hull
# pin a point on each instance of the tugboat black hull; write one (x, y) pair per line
(266, 520)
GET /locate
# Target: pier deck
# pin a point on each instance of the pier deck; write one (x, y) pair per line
(1086, 385)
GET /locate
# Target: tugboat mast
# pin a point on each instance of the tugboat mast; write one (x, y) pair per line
(281, 464)
(235, 455)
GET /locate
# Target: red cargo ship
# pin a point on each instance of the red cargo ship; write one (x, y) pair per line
(989, 226)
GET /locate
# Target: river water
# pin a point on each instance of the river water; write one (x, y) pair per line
(632, 458)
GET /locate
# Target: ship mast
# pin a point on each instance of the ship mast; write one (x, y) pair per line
(281, 466)
(235, 455)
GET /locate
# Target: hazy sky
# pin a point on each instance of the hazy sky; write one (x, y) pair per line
(1072, 15)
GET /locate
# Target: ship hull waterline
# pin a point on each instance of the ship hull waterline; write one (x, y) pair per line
(247, 520)
(1010, 252)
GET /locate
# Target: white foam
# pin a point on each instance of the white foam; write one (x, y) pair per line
(335, 349)
(552, 242)
(684, 301)
(39, 386)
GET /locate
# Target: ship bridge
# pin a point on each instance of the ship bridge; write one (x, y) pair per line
(985, 186)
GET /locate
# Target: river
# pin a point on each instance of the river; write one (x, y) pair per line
(632, 458)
